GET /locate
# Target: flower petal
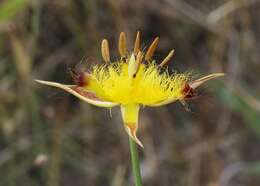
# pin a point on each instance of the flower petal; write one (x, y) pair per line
(130, 115)
(164, 102)
(81, 93)
(192, 85)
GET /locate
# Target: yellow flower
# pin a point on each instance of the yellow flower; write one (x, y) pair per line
(130, 82)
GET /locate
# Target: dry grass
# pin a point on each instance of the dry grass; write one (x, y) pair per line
(50, 138)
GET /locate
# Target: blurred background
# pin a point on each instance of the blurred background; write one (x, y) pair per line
(48, 137)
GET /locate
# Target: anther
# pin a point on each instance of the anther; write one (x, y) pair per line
(167, 58)
(105, 50)
(138, 61)
(122, 45)
(151, 49)
(139, 58)
(137, 43)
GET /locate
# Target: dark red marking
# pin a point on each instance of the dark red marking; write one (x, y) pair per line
(80, 78)
(188, 92)
(86, 93)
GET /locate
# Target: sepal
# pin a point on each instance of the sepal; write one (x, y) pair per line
(81, 93)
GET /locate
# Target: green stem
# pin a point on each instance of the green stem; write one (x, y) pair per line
(135, 163)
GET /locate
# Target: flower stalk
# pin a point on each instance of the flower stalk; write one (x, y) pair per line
(135, 163)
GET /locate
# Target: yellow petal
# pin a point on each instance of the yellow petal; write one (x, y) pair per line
(202, 80)
(130, 114)
(81, 93)
(164, 102)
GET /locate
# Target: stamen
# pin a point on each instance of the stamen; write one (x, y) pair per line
(131, 66)
(139, 57)
(151, 49)
(122, 45)
(137, 43)
(105, 50)
(167, 58)
(138, 61)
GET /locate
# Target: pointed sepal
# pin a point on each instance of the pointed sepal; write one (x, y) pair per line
(130, 115)
(82, 93)
(196, 83)
(188, 89)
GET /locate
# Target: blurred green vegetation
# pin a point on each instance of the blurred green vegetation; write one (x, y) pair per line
(10, 8)
(50, 138)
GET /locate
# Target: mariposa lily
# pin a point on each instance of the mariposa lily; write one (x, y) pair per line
(131, 82)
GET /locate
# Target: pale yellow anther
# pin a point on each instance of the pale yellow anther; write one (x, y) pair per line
(137, 43)
(139, 59)
(131, 66)
(122, 45)
(105, 50)
(151, 49)
(134, 64)
(167, 58)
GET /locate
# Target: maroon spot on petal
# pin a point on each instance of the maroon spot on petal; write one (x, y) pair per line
(83, 92)
(80, 78)
(82, 81)
(188, 92)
